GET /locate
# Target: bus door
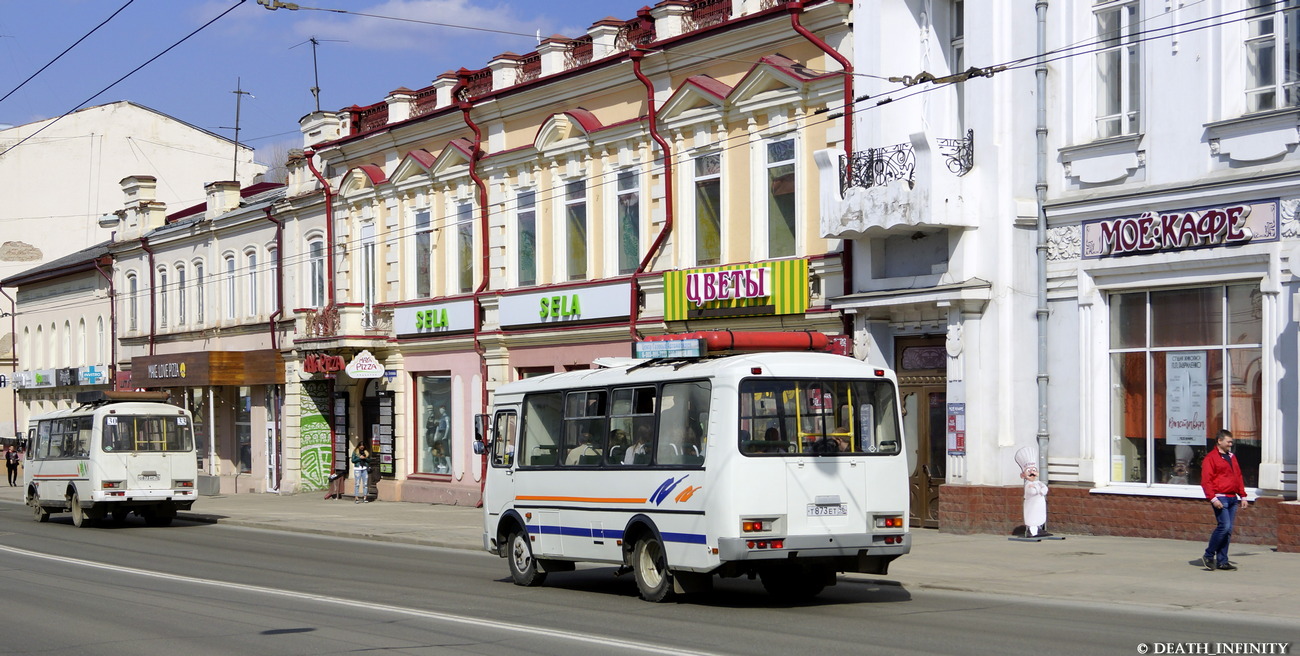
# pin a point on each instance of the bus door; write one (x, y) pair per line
(499, 493)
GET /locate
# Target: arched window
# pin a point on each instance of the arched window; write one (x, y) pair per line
(316, 272)
(251, 258)
(65, 357)
(273, 281)
(200, 293)
(81, 344)
(161, 295)
(132, 309)
(181, 292)
(99, 341)
(230, 286)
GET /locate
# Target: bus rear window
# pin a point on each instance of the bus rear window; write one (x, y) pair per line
(136, 433)
(818, 417)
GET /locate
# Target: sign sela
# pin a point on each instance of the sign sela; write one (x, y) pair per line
(1176, 230)
(707, 286)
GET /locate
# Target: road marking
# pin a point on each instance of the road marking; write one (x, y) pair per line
(442, 617)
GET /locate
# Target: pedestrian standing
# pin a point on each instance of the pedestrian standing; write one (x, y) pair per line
(361, 473)
(11, 465)
(1221, 480)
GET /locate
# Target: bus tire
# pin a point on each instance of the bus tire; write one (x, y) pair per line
(79, 518)
(650, 564)
(523, 567)
(39, 512)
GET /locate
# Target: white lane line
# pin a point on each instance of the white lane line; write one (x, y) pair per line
(424, 614)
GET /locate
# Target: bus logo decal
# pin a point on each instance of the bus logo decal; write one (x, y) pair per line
(666, 488)
(686, 494)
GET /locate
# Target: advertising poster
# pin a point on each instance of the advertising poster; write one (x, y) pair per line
(1185, 420)
(956, 429)
(314, 426)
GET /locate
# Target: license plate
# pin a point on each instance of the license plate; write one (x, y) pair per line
(815, 510)
(146, 477)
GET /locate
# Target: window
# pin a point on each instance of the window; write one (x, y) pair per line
(575, 228)
(273, 283)
(465, 247)
(65, 356)
(543, 420)
(526, 230)
(629, 221)
(253, 278)
(80, 358)
(230, 286)
(632, 426)
(162, 293)
(244, 430)
(99, 341)
(1272, 55)
(781, 224)
(124, 433)
(821, 417)
(316, 273)
(181, 293)
(957, 53)
(584, 428)
(503, 439)
(683, 416)
(435, 445)
(1184, 363)
(708, 211)
(367, 266)
(1119, 79)
(200, 295)
(423, 254)
(133, 308)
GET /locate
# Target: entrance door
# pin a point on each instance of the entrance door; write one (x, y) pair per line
(922, 379)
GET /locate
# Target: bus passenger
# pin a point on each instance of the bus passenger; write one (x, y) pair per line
(583, 450)
(639, 452)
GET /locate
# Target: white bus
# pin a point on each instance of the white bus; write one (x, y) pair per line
(116, 453)
(788, 466)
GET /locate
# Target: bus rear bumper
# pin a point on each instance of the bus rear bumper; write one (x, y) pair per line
(808, 546)
(148, 496)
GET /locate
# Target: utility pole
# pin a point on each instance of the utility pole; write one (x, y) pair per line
(239, 97)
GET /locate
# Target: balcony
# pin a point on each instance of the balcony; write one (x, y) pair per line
(908, 185)
(343, 325)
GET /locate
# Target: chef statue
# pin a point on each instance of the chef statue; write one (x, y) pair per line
(1035, 496)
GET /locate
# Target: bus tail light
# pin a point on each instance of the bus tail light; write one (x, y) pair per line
(112, 485)
(766, 544)
(184, 484)
(889, 521)
(758, 524)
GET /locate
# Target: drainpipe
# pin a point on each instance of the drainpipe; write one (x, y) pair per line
(310, 155)
(476, 153)
(13, 328)
(846, 250)
(112, 317)
(634, 310)
(279, 273)
(1040, 189)
(153, 290)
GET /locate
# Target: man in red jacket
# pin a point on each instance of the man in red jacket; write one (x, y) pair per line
(1221, 480)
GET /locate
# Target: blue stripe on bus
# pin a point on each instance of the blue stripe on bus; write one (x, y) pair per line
(611, 533)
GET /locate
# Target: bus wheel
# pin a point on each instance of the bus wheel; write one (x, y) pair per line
(523, 567)
(39, 512)
(78, 515)
(793, 583)
(650, 564)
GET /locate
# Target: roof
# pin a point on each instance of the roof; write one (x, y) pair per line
(247, 193)
(82, 260)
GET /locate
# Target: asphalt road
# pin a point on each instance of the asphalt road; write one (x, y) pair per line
(196, 589)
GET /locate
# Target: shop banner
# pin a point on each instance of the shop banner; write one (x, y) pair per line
(434, 319)
(314, 428)
(1154, 231)
(93, 375)
(737, 290)
(566, 305)
(1185, 421)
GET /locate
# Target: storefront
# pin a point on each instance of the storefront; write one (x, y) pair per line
(236, 398)
(46, 390)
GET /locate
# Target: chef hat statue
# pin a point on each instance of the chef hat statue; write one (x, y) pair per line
(1035, 495)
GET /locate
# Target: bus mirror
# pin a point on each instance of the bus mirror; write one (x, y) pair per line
(480, 433)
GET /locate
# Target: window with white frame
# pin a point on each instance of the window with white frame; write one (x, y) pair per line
(575, 229)
(629, 221)
(526, 237)
(251, 259)
(99, 341)
(957, 53)
(81, 343)
(161, 295)
(1272, 55)
(1184, 363)
(1119, 67)
(781, 223)
(423, 273)
(464, 259)
(200, 295)
(273, 280)
(65, 357)
(181, 292)
(316, 272)
(230, 287)
(367, 266)
(708, 209)
(132, 306)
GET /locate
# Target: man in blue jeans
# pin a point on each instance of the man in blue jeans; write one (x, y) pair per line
(1223, 486)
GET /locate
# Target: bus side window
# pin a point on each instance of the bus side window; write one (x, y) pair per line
(683, 414)
(542, 422)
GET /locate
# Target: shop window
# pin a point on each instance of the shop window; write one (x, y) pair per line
(1184, 363)
(244, 430)
(435, 422)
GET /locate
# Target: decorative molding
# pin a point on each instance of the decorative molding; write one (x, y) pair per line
(1064, 243)
(1290, 211)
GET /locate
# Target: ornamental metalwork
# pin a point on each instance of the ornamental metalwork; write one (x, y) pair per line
(322, 323)
(530, 68)
(878, 166)
(706, 13)
(426, 100)
(578, 53)
(958, 154)
(1290, 210)
(635, 33)
(372, 117)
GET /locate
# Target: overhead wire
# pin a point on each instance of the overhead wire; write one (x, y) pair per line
(66, 50)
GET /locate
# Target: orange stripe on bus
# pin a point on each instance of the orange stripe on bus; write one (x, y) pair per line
(583, 499)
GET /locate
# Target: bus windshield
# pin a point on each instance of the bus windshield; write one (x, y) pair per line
(818, 417)
(134, 433)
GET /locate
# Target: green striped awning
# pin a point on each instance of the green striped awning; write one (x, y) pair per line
(737, 290)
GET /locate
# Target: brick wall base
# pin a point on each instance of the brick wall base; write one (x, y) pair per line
(1075, 510)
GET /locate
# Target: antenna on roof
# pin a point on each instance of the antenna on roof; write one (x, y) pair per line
(239, 97)
(315, 71)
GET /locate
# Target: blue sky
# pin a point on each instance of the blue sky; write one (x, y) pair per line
(266, 52)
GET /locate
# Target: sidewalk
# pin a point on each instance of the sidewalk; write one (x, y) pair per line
(1164, 573)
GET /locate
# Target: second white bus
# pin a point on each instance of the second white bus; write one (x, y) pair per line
(788, 466)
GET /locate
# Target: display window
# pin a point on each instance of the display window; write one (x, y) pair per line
(1184, 363)
(434, 424)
